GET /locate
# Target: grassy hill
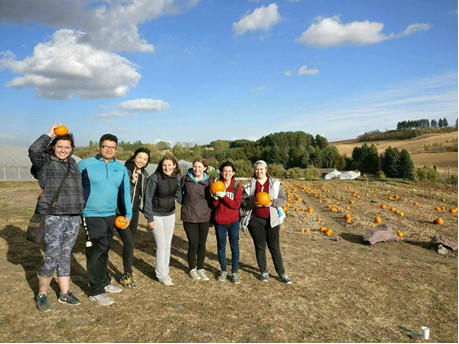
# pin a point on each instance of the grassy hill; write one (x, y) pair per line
(431, 149)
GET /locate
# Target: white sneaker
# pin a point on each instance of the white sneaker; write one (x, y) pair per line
(112, 289)
(202, 274)
(167, 281)
(194, 274)
(102, 299)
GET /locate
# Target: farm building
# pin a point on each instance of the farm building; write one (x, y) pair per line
(333, 173)
(349, 175)
(329, 173)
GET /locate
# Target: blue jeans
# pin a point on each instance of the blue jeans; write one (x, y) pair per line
(233, 234)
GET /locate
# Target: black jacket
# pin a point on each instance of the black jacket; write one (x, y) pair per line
(161, 193)
(50, 172)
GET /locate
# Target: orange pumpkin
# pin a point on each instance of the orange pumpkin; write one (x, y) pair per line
(400, 234)
(262, 198)
(329, 232)
(120, 221)
(383, 206)
(217, 186)
(62, 130)
(439, 221)
(378, 219)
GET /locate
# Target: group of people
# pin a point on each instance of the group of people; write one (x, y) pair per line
(100, 188)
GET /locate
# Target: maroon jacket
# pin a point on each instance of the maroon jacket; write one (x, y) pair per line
(227, 208)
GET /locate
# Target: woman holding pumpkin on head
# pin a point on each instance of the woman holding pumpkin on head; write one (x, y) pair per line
(136, 168)
(263, 218)
(195, 214)
(163, 190)
(58, 176)
(226, 219)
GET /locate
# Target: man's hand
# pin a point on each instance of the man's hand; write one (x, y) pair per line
(128, 221)
(151, 225)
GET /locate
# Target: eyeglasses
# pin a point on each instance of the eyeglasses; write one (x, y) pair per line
(108, 148)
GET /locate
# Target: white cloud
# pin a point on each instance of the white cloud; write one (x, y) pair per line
(110, 25)
(130, 107)
(328, 32)
(66, 66)
(262, 18)
(305, 71)
(415, 27)
(288, 73)
(143, 105)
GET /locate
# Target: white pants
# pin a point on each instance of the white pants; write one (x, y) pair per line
(163, 232)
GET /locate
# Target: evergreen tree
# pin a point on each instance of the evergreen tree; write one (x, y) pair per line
(389, 162)
(406, 166)
(371, 163)
(440, 123)
(445, 123)
(433, 123)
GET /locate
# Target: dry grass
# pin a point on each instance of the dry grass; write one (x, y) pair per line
(419, 148)
(343, 290)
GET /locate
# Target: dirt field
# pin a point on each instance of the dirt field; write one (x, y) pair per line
(425, 150)
(342, 291)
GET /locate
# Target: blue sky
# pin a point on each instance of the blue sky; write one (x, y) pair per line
(197, 71)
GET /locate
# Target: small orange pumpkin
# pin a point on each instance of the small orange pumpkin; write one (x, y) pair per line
(383, 206)
(62, 130)
(400, 234)
(439, 221)
(217, 186)
(120, 221)
(378, 219)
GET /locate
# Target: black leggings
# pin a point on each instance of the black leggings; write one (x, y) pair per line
(262, 233)
(197, 237)
(128, 237)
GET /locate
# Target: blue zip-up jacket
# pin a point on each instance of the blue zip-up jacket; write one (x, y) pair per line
(106, 187)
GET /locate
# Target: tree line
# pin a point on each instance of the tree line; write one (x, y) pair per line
(409, 129)
(288, 154)
(422, 123)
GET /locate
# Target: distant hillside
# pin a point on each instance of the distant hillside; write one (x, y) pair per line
(438, 149)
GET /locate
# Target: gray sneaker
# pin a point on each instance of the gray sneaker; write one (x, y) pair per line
(236, 279)
(102, 299)
(202, 274)
(42, 303)
(222, 276)
(112, 289)
(285, 279)
(194, 274)
(264, 277)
